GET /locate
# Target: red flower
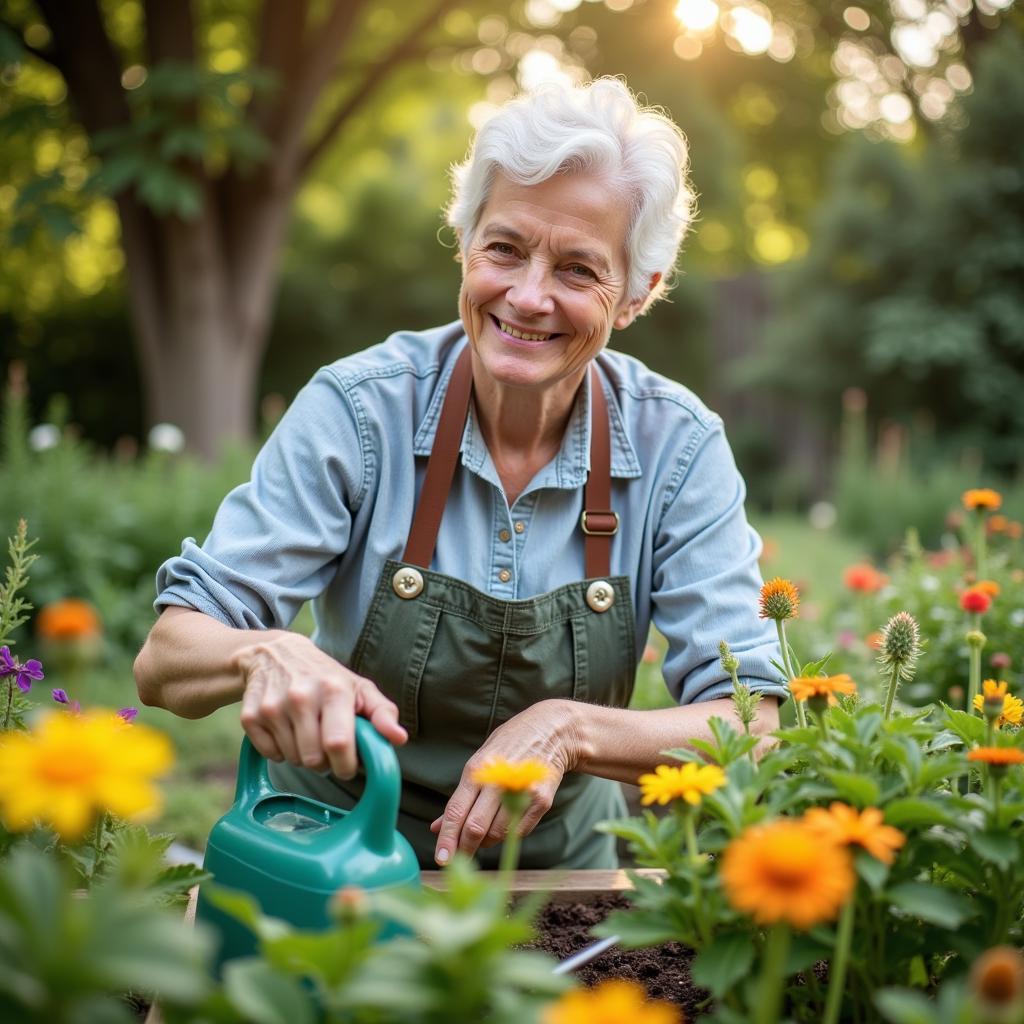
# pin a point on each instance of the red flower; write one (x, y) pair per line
(865, 578)
(975, 600)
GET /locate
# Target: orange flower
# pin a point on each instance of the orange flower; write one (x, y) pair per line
(874, 640)
(808, 687)
(782, 871)
(844, 824)
(779, 600)
(997, 978)
(864, 578)
(997, 756)
(612, 1002)
(1014, 530)
(68, 619)
(982, 499)
(989, 587)
(975, 600)
(998, 524)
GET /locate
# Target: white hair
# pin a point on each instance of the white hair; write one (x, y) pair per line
(600, 128)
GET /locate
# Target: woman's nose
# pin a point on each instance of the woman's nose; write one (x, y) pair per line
(531, 292)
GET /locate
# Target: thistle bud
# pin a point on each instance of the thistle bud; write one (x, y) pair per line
(901, 645)
(730, 662)
(975, 638)
(780, 600)
(746, 703)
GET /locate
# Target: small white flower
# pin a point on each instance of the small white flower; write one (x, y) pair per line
(166, 437)
(45, 436)
(1017, 617)
(822, 515)
(930, 583)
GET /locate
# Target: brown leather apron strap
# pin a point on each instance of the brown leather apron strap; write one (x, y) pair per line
(598, 521)
(419, 549)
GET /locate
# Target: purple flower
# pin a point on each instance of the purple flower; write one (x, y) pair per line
(23, 674)
(127, 713)
(61, 697)
(32, 669)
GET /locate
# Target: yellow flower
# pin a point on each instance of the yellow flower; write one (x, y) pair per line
(71, 768)
(808, 687)
(512, 776)
(782, 871)
(779, 600)
(848, 826)
(611, 1002)
(983, 499)
(1011, 708)
(688, 782)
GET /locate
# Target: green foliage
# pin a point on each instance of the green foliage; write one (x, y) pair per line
(911, 287)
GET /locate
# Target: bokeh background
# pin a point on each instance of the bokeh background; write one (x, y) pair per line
(201, 203)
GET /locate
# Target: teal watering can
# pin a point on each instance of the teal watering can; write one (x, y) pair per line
(292, 853)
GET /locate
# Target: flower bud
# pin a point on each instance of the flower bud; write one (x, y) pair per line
(780, 600)
(901, 645)
(349, 903)
(729, 660)
(975, 638)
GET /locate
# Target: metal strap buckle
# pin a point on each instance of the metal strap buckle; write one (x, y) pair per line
(591, 531)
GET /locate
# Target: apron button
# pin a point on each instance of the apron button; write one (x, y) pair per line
(600, 595)
(407, 582)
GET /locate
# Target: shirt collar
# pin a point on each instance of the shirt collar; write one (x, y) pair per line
(570, 467)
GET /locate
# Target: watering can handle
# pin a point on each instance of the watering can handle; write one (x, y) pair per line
(376, 813)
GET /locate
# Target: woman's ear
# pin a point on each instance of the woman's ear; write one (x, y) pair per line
(635, 307)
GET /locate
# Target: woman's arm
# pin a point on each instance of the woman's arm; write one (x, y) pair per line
(298, 703)
(620, 744)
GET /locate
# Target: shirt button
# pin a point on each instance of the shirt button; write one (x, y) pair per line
(504, 536)
(520, 526)
(504, 575)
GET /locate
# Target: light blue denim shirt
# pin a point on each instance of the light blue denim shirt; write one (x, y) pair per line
(333, 490)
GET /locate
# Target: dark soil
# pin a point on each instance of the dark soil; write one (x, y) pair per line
(664, 971)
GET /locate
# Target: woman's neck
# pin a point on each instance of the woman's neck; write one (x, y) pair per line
(522, 428)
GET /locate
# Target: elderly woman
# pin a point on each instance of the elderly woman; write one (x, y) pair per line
(487, 516)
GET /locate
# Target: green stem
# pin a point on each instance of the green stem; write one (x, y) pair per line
(997, 785)
(690, 830)
(510, 849)
(974, 683)
(780, 625)
(979, 554)
(837, 969)
(10, 702)
(890, 697)
(773, 975)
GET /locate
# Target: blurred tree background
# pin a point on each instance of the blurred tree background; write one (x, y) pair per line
(201, 203)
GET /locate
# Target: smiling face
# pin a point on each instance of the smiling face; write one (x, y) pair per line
(544, 280)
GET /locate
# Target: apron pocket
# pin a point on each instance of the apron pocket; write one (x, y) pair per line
(409, 701)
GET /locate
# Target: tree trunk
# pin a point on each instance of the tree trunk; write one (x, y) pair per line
(201, 293)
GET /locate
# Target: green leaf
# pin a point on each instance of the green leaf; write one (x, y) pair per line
(723, 963)
(999, 848)
(904, 1006)
(861, 790)
(804, 951)
(873, 871)
(970, 728)
(263, 996)
(637, 928)
(914, 811)
(931, 903)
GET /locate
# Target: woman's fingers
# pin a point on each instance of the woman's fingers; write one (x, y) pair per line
(337, 728)
(304, 711)
(467, 821)
(382, 712)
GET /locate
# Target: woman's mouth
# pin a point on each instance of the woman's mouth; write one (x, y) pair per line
(518, 333)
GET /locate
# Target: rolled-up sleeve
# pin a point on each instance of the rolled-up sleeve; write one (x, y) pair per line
(275, 540)
(706, 579)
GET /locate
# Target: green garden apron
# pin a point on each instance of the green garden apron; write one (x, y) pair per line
(458, 662)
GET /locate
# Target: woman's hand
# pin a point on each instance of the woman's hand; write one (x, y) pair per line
(299, 705)
(474, 817)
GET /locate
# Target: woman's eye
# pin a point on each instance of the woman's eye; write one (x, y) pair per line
(579, 270)
(502, 249)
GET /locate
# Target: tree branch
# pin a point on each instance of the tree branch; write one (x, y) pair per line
(282, 30)
(402, 51)
(86, 58)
